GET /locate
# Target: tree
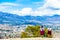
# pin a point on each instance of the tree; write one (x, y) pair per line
(46, 32)
(31, 31)
(23, 35)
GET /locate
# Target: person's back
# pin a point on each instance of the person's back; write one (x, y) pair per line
(42, 31)
(49, 32)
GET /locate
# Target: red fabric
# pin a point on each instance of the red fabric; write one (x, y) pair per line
(49, 32)
(42, 32)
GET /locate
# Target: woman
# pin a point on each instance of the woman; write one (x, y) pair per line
(42, 31)
(50, 32)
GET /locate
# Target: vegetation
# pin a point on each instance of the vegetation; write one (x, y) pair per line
(33, 31)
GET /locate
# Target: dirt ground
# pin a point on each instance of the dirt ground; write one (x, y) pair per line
(32, 39)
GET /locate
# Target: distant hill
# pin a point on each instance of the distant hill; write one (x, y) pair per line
(13, 19)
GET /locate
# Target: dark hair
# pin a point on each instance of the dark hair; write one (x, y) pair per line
(41, 26)
(50, 26)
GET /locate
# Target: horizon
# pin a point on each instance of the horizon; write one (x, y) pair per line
(29, 15)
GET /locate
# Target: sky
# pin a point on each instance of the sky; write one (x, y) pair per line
(31, 7)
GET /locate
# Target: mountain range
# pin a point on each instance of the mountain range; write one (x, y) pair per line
(13, 19)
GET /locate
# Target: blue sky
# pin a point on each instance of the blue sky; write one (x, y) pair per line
(25, 3)
(7, 1)
(30, 7)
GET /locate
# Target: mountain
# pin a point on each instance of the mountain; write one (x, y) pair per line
(13, 19)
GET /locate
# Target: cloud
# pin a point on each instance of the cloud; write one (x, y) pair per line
(14, 9)
(50, 7)
(53, 3)
(8, 4)
(26, 11)
(9, 7)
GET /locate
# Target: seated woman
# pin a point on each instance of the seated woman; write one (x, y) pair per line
(42, 31)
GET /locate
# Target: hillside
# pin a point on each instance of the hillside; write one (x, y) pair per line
(12, 19)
